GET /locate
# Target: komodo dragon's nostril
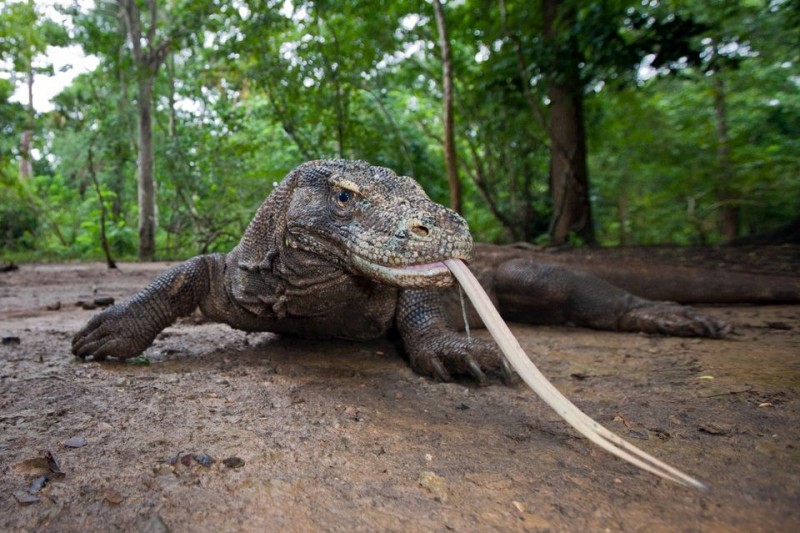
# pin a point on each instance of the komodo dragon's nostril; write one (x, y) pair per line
(419, 230)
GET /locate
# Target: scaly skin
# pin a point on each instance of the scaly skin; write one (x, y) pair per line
(346, 249)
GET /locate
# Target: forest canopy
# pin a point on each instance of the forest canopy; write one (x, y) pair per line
(546, 121)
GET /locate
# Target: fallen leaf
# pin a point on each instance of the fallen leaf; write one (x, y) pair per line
(52, 465)
(435, 484)
(141, 360)
(620, 418)
(203, 459)
(233, 462)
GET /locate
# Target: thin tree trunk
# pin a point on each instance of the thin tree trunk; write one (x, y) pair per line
(339, 103)
(569, 181)
(146, 180)
(450, 160)
(622, 208)
(103, 237)
(26, 140)
(521, 68)
(125, 142)
(340, 127)
(25, 166)
(404, 148)
(340, 109)
(729, 210)
(172, 123)
(287, 123)
(696, 221)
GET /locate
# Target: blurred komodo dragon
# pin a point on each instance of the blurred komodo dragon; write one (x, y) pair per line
(346, 249)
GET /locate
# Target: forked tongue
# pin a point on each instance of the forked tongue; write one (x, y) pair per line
(588, 427)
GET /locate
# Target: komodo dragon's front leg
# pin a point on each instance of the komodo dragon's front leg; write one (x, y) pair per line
(528, 291)
(128, 328)
(434, 346)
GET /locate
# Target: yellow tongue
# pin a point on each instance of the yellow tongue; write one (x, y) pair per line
(588, 427)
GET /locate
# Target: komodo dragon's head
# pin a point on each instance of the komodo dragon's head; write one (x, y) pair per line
(373, 223)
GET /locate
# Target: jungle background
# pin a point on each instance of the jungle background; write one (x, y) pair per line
(554, 122)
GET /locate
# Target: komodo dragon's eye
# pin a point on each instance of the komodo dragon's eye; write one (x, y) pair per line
(343, 201)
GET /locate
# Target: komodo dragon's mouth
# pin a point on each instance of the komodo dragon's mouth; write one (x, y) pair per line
(425, 276)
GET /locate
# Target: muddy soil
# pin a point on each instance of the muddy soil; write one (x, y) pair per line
(338, 436)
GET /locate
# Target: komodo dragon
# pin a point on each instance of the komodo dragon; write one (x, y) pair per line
(349, 250)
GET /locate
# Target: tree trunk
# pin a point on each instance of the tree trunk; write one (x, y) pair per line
(729, 209)
(338, 100)
(26, 140)
(405, 149)
(147, 62)
(522, 68)
(332, 74)
(103, 236)
(126, 140)
(25, 166)
(146, 180)
(569, 181)
(622, 211)
(450, 161)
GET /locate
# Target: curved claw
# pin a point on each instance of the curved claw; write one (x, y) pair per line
(439, 370)
(454, 354)
(506, 374)
(476, 372)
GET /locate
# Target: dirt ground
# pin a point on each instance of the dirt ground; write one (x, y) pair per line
(338, 436)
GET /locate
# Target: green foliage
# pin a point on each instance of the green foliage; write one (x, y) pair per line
(251, 89)
(655, 147)
(18, 224)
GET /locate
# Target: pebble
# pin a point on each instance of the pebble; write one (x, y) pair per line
(75, 442)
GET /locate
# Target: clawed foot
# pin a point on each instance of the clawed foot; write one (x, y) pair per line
(674, 319)
(456, 355)
(115, 332)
